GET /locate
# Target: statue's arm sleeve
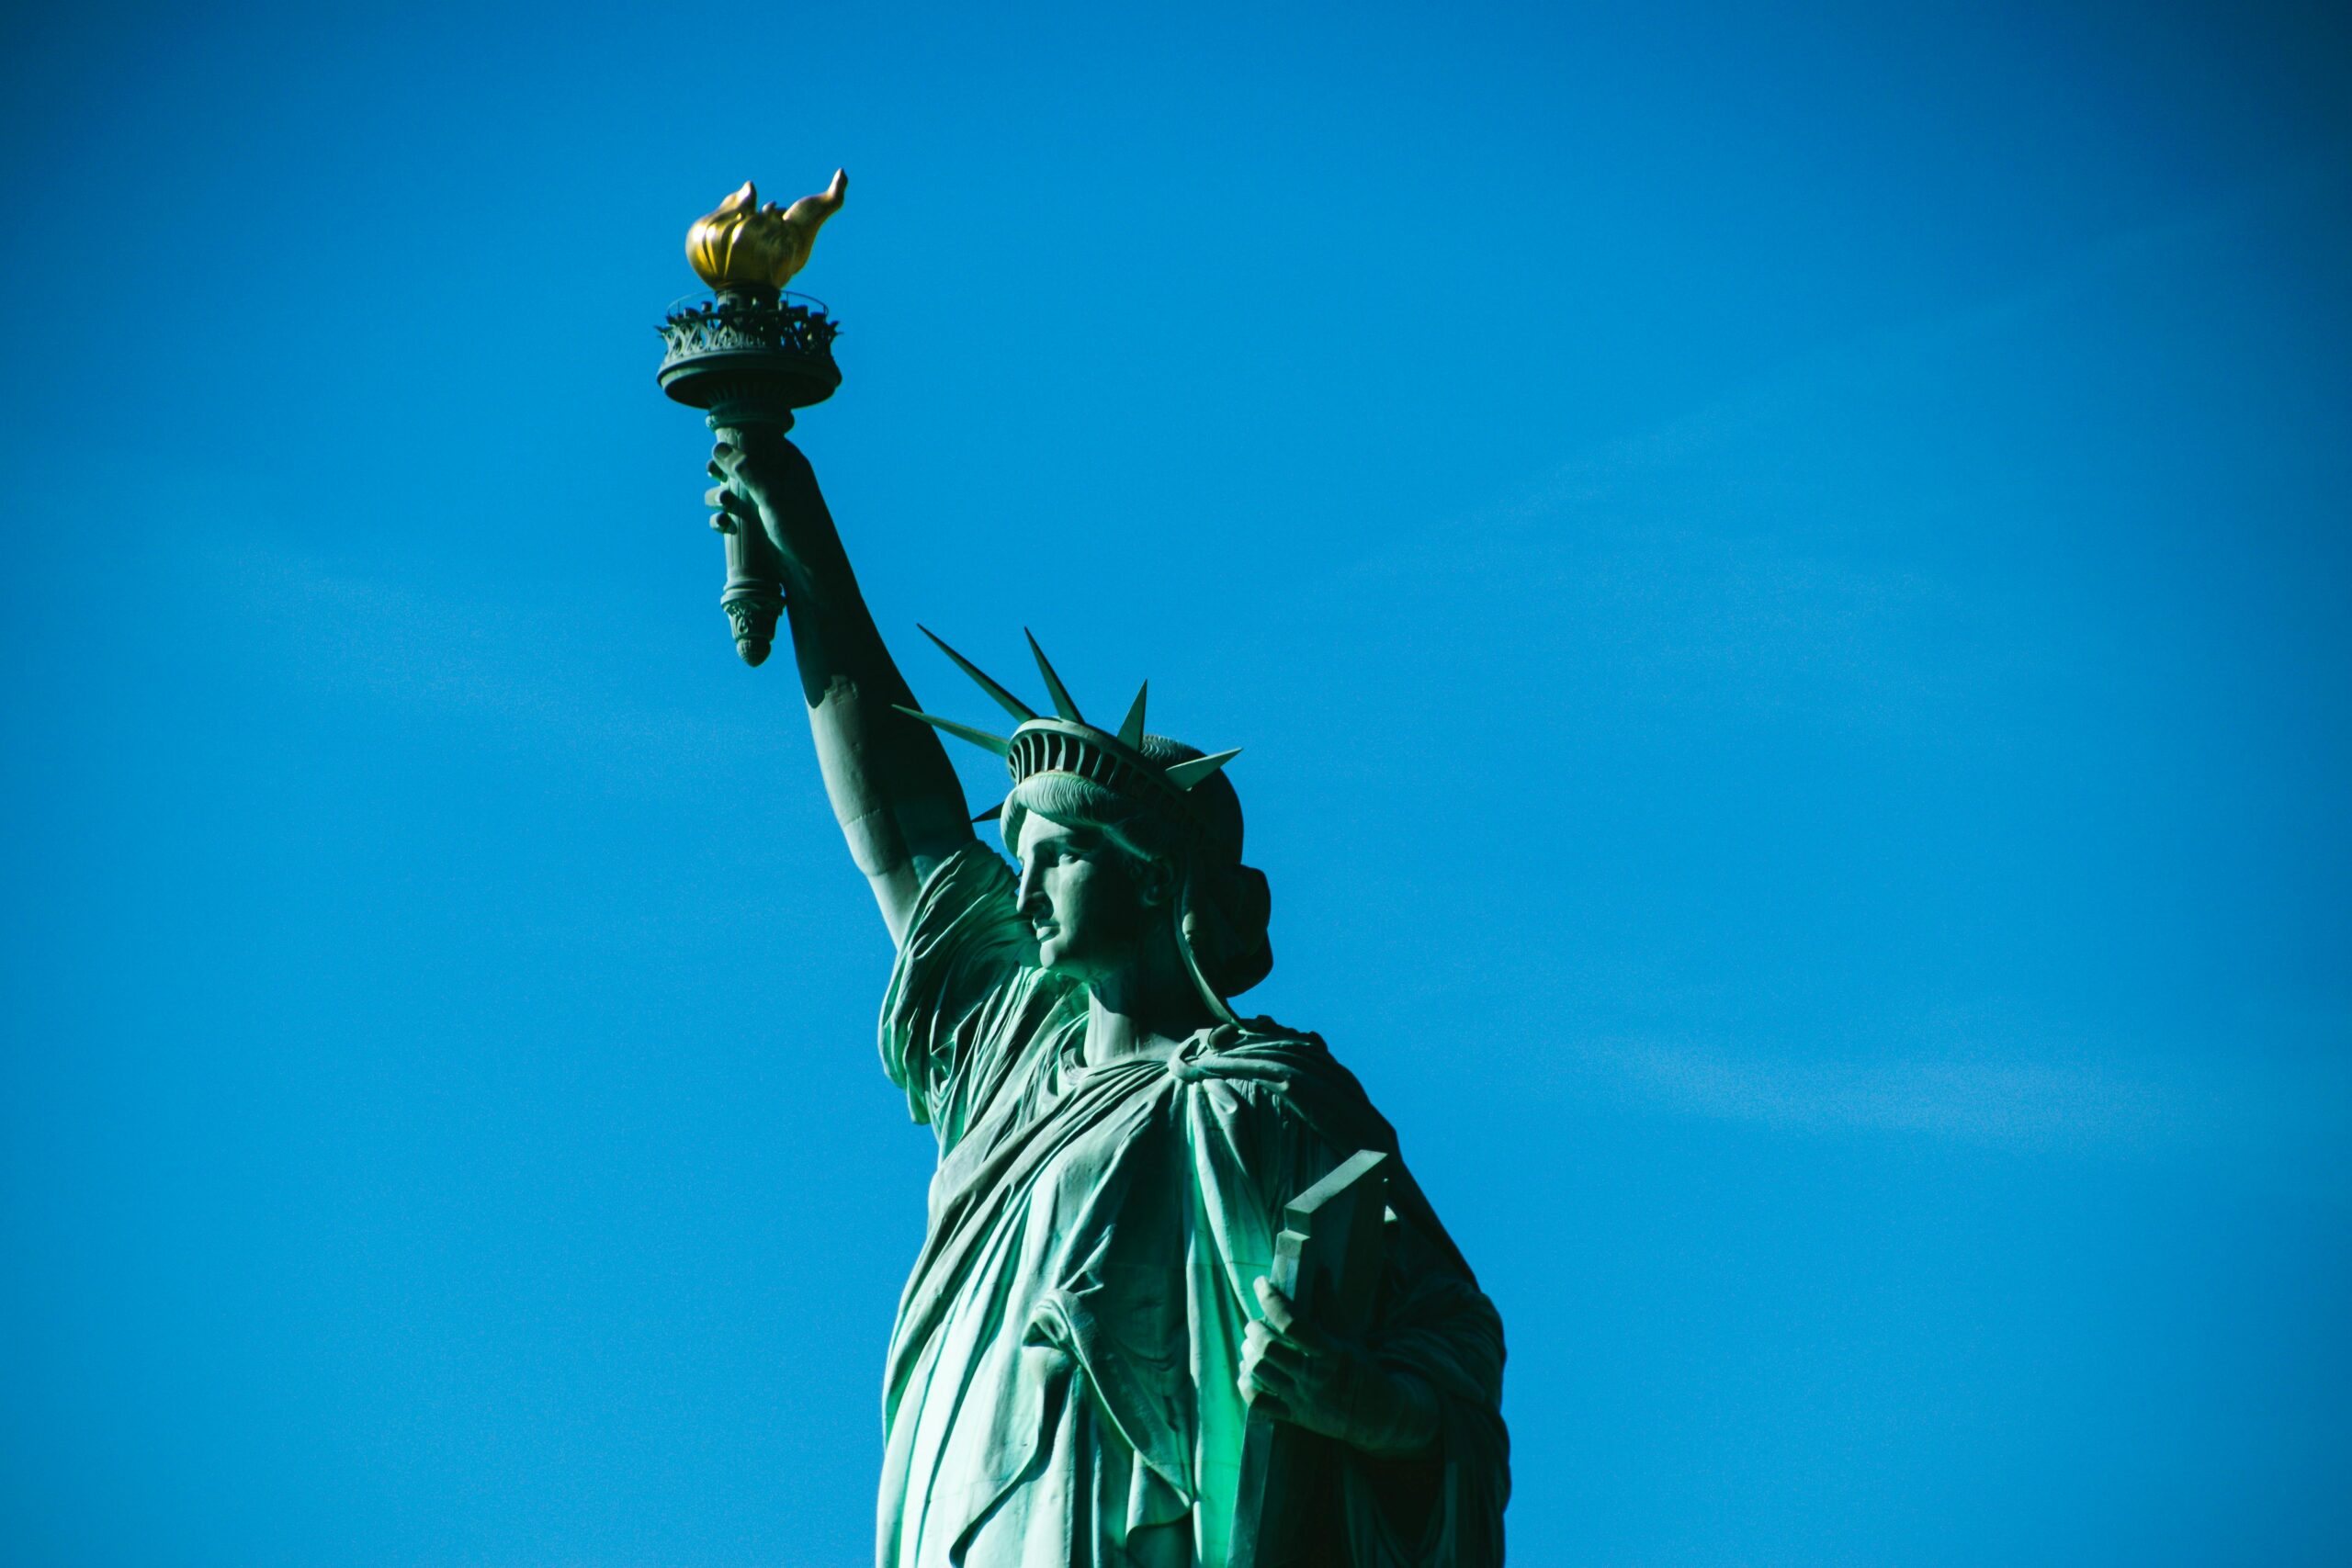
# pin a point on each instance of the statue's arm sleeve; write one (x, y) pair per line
(1263, 1127)
(1257, 1147)
(961, 993)
(1442, 1509)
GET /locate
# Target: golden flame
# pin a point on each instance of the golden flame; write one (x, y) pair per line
(745, 244)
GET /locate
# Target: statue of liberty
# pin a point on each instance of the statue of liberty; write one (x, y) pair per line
(1092, 1323)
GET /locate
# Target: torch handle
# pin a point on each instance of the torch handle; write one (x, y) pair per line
(754, 596)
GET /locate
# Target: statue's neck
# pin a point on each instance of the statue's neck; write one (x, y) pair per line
(1145, 1010)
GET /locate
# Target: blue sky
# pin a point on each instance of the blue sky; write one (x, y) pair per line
(1782, 574)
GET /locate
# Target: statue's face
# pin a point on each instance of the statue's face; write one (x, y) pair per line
(1083, 898)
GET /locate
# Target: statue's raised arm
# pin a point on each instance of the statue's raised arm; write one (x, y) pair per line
(749, 356)
(892, 788)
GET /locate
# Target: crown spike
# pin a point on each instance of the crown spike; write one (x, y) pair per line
(1004, 699)
(1131, 727)
(1053, 687)
(980, 738)
(1184, 775)
(990, 815)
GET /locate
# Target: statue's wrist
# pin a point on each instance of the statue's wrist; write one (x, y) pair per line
(810, 552)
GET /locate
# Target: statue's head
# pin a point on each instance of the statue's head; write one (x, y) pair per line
(1105, 872)
(1125, 840)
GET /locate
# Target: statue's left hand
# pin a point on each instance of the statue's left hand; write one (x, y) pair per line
(1298, 1373)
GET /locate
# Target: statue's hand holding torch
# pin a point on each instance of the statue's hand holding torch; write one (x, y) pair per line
(766, 500)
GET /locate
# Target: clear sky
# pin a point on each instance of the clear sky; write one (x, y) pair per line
(1782, 575)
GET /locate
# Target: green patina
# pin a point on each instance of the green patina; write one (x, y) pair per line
(1145, 1327)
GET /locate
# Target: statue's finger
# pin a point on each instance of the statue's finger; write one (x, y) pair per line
(1272, 1406)
(1261, 1380)
(734, 502)
(1275, 1306)
(1275, 1385)
(1305, 1336)
(1284, 1353)
(1262, 1339)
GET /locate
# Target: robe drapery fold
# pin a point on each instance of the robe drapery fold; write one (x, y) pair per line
(1061, 1378)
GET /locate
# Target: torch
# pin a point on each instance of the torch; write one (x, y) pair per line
(747, 355)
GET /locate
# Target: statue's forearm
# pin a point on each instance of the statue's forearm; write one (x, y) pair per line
(888, 778)
(1393, 1413)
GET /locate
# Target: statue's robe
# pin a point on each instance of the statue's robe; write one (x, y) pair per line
(1062, 1375)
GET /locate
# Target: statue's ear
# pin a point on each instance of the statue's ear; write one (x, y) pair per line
(1156, 885)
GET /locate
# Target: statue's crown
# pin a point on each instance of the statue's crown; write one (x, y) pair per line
(1065, 743)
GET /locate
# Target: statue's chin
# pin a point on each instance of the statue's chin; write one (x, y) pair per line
(1054, 955)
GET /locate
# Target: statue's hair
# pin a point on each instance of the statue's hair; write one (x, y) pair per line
(1226, 904)
(1076, 802)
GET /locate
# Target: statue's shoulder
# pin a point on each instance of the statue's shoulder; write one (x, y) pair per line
(1249, 1047)
(1260, 1058)
(1267, 1085)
